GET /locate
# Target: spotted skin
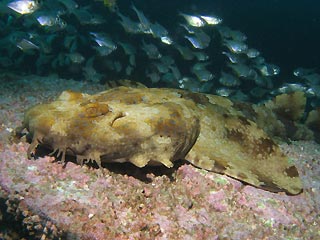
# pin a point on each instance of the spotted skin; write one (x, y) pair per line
(147, 126)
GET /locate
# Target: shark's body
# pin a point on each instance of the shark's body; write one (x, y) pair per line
(147, 126)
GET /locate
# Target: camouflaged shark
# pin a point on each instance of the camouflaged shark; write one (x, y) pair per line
(150, 126)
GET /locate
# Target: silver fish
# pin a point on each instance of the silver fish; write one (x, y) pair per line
(26, 45)
(103, 50)
(300, 72)
(211, 20)
(167, 40)
(103, 40)
(203, 75)
(242, 70)
(129, 25)
(229, 80)
(128, 48)
(269, 69)
(238, 36)
(199, 41)
(233, 58)
(188, 28)
(185, 52)
(158, 30)
(236, 46)
(154, 77)
(129, 70)
(70, 5)
(290, 87)
(151, 50)
(175, 71)
(201, 56)
(145, 24)
(263, 81)
(23, 6)
(161, 67)
(252, 53)
(90, 72)
(87, 17)
(76, 57)
(46, 20)
(224, 92)
(193, 20)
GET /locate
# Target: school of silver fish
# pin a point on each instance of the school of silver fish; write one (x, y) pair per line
(89, 41)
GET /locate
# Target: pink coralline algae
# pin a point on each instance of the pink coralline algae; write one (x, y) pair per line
(51, 200)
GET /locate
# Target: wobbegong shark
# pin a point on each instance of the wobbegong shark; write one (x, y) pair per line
(154, 126)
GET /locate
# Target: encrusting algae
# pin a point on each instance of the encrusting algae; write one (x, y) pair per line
(149, 126)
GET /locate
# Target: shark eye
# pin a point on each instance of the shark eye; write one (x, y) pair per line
(93, 110)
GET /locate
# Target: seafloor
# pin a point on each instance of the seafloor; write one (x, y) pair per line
(43, 199)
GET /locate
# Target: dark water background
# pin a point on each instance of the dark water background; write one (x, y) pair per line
(286, 32)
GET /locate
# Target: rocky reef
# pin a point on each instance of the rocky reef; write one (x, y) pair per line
(52, 200)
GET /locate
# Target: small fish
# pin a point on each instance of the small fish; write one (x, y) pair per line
(76, 57)
(188, 83)
(290, 87)
(103, 50)
(87, 16)
(167, 40)
(145, 24)
(161, 67)
(175, 71)
(236, 46)
(168, 60)
(151, 50)
(211, 20)
(193, 20)
(154, 77)
(263, 81)
(128, 48)
(168, 78)
(129, 25)
(46, 20)
(201, 56)
(26, 45)
(238, 36)
(70, 5)
(229, 80)
(224, 92)
(132, 60)
(242, 70)
(103, 40)
(188, 28)
(158, 30)
(252, 53)
(129, 70)
(185, 52)
(300, 72)
(23, 6)
(90, 73)
(269, 69)
(233, 58)
(197, 42)
(258, 92)
(203, 75)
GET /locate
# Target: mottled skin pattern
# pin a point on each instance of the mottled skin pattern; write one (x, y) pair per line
(148, 126)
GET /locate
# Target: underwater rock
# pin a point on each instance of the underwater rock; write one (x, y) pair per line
(147, 126)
